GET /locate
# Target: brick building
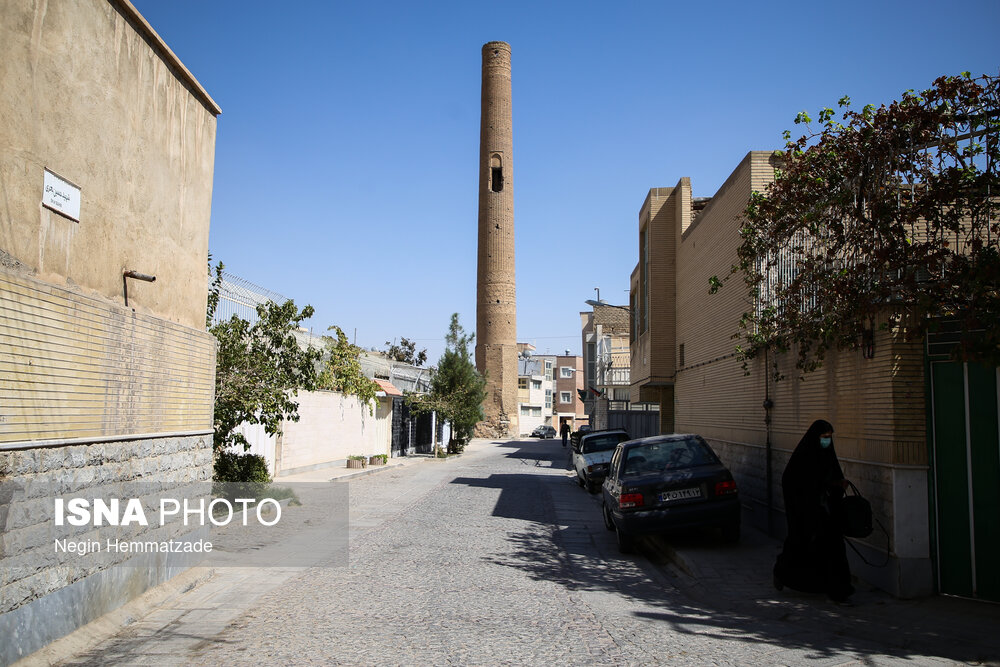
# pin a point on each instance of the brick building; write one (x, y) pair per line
(568, 406)
(683, 356)
(606, 361)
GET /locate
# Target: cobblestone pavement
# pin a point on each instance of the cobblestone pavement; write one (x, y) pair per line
(498, 557)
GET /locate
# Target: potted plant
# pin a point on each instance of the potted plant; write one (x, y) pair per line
(357, 461)
(377, 459)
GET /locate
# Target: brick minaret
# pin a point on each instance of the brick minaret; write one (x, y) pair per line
(496, 306)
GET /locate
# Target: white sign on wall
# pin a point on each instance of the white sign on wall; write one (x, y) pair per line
(61, 195)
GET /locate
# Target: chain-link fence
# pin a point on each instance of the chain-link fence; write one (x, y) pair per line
(240, 297)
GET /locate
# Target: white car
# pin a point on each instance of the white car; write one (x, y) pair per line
(592, 454)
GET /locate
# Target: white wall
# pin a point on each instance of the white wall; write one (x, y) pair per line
(332, 427)
(260, 443)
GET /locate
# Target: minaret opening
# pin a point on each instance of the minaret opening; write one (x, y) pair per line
(496, 173)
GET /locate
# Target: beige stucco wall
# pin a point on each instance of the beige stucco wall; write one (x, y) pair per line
(88, 97)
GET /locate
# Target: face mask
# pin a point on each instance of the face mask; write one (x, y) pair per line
(825, 442)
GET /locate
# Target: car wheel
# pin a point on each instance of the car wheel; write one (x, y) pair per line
(609, 523)
(731, 532)
(625, 542)
(580, 480)
(593, 487)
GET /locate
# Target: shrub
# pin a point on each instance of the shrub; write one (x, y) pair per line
(233, 467)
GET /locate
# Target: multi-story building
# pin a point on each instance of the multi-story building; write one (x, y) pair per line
(886, 399)
(535, 389)
(568, 405)
(652, 298)
(606, 360)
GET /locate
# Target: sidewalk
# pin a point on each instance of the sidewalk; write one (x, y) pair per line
(737, 579)
(168, 620)
(339, 470)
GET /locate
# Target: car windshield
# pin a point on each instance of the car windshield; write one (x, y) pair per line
(602, 443)
(667, 455)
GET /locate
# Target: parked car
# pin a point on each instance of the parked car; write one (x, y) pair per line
(668, 482)
(574, 437)
(543, 432)
(591, 455)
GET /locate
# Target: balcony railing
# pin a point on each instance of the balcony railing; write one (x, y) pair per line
(613, 377)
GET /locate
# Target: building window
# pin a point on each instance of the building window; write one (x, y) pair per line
(565, 372)
(680, 355)
(536, 384)
(522, 383)
(525, 410)
(548, 398)
(536, 411)
(565, 397)
(548, 370)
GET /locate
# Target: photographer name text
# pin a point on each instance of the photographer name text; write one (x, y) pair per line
(84, 547)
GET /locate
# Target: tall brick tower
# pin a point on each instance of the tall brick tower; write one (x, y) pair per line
(496, 305)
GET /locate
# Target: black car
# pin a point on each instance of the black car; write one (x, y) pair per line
(668, 482)
(543, 432)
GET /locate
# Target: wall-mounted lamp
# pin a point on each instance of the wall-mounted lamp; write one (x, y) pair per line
(135, 275)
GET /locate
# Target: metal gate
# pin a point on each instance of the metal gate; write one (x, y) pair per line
(400, 427)
(411, 433)
(965, 449)
(637, 423)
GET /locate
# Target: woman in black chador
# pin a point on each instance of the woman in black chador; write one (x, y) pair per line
(814, 559)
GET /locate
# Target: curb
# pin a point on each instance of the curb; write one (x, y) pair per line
(671, 555)
(368, 471)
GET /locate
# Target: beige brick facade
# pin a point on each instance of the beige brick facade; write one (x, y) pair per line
(877, 405)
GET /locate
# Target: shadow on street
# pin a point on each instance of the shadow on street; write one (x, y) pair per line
(582, 557)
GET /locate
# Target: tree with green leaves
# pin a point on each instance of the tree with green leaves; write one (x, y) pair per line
(457, 389)
(260, 367)
(886, 218)
(406, 352)
(342, 369)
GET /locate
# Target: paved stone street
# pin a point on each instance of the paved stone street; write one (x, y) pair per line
(498, 557)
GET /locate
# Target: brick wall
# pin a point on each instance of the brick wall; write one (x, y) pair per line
(76, 366)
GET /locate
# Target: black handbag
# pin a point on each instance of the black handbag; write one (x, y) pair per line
(855, 514)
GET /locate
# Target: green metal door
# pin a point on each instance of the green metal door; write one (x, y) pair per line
(965, 446)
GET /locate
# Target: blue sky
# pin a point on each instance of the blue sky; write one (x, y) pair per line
(347, 149)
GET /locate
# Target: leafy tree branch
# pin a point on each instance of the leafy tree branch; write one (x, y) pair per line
(406, 352)
(342, 369)
(887, 215)
(260, 369)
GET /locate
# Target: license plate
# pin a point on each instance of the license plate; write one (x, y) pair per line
(680, 494)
